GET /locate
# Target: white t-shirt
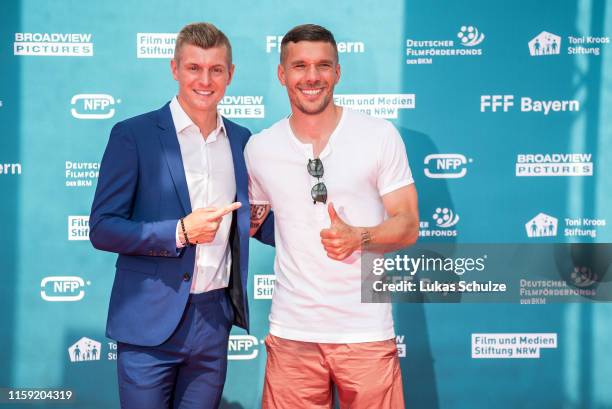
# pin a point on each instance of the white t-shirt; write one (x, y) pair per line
(317, 299)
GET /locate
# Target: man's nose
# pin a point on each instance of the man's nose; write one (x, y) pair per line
(205, 77)
(312, 73)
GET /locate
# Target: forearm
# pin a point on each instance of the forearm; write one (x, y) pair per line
(395, 233)
(119, 235)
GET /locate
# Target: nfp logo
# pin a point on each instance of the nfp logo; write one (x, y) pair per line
(545, 43)
(85, 349)
(542, 225)
(445, 165)
(93, 106)
(242, 347)
(62, 288)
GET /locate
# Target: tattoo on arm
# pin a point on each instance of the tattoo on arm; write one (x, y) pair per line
(258, 215)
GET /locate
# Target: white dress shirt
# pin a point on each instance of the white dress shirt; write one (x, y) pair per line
(209, 170)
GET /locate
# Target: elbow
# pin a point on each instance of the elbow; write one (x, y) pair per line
(94, 236)
(412, 233)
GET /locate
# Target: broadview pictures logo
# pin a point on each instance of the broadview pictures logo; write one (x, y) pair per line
(54, 44)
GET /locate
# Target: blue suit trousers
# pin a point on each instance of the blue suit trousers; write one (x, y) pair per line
(188, 370)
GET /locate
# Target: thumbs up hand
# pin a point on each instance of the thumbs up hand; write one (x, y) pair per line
(341, 239)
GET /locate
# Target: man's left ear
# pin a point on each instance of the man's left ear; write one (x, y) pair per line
(231, 73)
(337, 73)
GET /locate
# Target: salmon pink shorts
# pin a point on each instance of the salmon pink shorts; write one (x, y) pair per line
(300, 375)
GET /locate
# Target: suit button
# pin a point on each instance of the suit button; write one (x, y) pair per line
(186, 277)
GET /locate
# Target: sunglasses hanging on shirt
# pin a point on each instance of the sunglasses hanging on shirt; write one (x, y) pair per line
(319, 190)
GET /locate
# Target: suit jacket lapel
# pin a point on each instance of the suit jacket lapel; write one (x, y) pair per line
(172, 152)
(240, 173)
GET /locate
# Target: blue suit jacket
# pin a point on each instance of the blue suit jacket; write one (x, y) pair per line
(141, 194)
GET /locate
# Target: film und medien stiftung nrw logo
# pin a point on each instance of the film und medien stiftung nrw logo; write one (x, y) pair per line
(54, 44)
(401, 346)
(78, 228)
(93, 106)
(511, 345)
(419, 51)
(85, 349)
(554, 164)
(242, 347)
(242, 106)
(155, 45)
(63, 288)
(446, 165)
(378, 105)
(263, 286)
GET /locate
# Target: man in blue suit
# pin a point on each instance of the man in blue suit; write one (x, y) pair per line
(172, 201)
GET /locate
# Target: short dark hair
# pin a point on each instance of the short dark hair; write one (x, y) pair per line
(203, 35)
(307, 32)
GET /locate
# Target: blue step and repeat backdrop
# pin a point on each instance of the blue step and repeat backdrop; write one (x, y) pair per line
(506, 112)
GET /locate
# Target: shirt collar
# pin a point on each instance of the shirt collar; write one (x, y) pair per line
(182, 121)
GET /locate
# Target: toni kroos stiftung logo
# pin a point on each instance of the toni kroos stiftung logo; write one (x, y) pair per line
(93, 106)
(85, 349)
(542, 225)
(54, 44)
(545, 43)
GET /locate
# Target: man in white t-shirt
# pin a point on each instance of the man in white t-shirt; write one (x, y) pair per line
(337, 180)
